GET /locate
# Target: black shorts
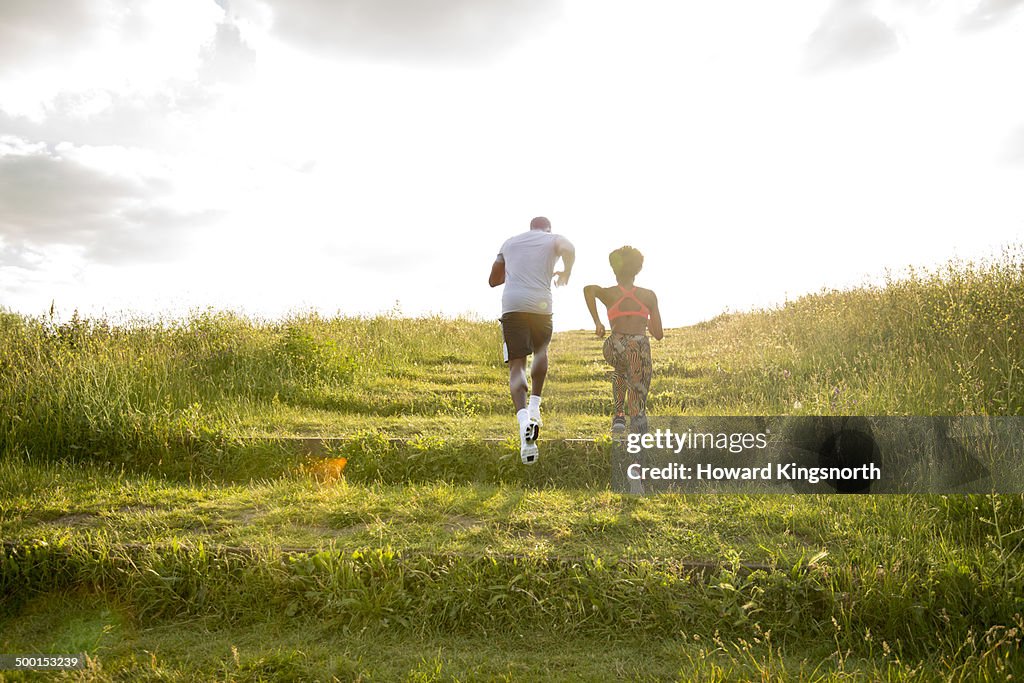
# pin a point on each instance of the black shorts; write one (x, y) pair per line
(525, 333)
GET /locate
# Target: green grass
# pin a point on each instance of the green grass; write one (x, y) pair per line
(304, 648)
(58, 503)
(155, 514)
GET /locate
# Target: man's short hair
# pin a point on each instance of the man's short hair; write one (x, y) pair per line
(540, 223)
(626, 261)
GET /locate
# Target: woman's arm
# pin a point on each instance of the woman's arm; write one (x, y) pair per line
(590, 293)
(654, 324)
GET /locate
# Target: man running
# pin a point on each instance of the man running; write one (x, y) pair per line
(526, 265)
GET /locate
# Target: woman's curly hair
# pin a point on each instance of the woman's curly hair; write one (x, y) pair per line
(626, 262)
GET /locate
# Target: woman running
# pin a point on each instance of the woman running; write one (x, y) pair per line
(632, 311)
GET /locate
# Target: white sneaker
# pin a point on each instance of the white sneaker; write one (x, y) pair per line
(534, 414)
(529, 452)
(532, 432)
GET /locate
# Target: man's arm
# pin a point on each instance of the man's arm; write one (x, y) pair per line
(567, 252)
(497, 272)
(590, 293)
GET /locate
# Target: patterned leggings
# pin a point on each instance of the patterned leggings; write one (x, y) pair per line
(630, 357)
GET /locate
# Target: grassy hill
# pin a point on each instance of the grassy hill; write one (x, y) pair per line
(156, 513)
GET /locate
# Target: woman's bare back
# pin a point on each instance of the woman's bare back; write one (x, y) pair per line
(632, 324)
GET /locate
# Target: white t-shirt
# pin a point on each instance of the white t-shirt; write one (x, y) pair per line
(530, 260)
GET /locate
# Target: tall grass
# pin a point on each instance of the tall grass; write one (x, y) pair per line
(911, 610)
(939, 342)
(89, 388)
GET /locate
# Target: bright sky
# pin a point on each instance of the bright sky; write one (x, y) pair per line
(272, 156)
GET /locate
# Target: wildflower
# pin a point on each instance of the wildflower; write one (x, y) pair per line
(797, 405)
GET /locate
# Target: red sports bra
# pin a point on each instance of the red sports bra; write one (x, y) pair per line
(614, 312)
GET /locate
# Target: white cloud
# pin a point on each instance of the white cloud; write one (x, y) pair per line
(227, 57)
(853, 32)
(409, 30)
(102, 117)
(148, 84)
(36, 29)
(109, 203)
(988, 13)
(849, 33)
(106, 48)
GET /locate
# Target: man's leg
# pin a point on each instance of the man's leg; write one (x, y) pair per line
(528, 450)
(540, 336)
(516, 331)
(539, 370)
(517, 382)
